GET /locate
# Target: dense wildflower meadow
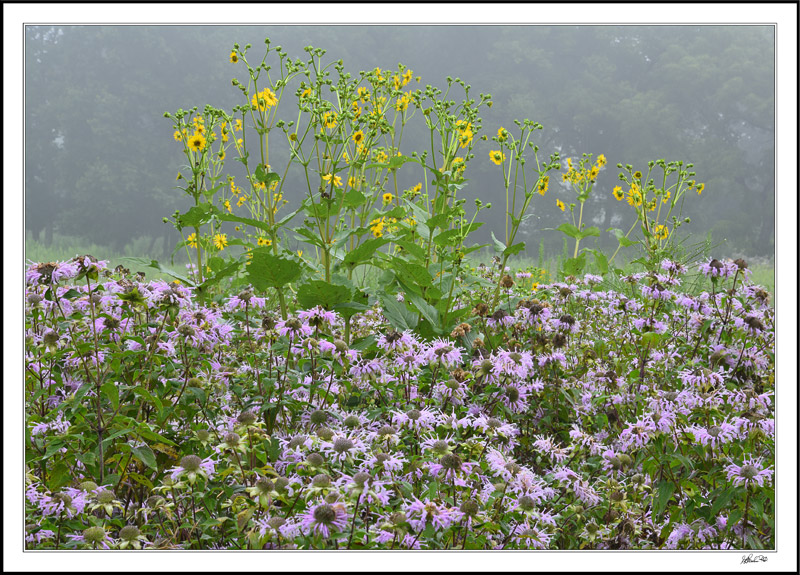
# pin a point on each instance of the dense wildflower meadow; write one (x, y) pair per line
(287, 399)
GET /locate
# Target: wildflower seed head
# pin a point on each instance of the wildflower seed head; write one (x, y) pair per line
(526, 503)
(512, 468)
(386, 430)
(342, 445)
(481, 309)
(627, 527)
(195, 382)
(232, 439)
(507, 282)
(324, 433)
(50, 338)
(276, 522)
(671, 396)
(615, 463)
(246, 418)
(267, 323)
(246, 295)
(625, 459)
(567, 319)
(559, 340)
(318, 417)
(450, 461)
(637, 479)
(494, 423)
(740, 263)
(499, 315)
(440, 447)
(203, 434)
(96, 298)
(294, 324)
(397, 518)
(321, 481)
(382, 457)
(444, 350)
(324, 514)
(281, 483)
(591, 528)
(469, 508)
(361, 478)
(616, 496)
(352, 421)
(748, 471)
(297, 441)
(129, 533)
(94, 535)
(452, 384)
(88, 486)
(105, 496)
(186, 330)
(191, 462)
(264, 485)
(34, 299)
(714, 431)
(154, 501)
(414, 414)
(512, 393)
(340, 346)
(316, 459)
(716, 264)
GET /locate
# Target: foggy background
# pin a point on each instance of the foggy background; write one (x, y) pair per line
(100, 160)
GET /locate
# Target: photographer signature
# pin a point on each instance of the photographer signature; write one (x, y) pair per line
(753, 559)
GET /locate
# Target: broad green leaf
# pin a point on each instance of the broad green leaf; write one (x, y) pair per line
(111, 391)
(397, 314)
(574, 266)
(620, 235)
(363, 252)
(663, 495)
(322, 293)
(267, 270)
(600, 260)
(569, 229)
(514, 250)
(145, 455)
(499, 246)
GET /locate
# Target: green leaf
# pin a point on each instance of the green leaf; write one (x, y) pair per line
(411, 273)
(363, 252)
(319, 292)
(397, 313)
(141, 479)
(499, 246)
(262, 175)
(514, 250)
(145, 455)
(163, 269)
(574, 266)
(267, 270)
(428, 311)
(721, 501)
(111, 391)
(620, 235)
(600, 260)
(569, 229)
(196, 216)
(665, 491)
(220, 275)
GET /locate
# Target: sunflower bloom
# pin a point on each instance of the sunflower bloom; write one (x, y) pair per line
(192, 240)
(197, 142)
(177, 135)
(618, 193)
(358, 137)
(543, 185)
(661, 232)
(264, 100)
(264, 242)
(220, 241)
(560, 205)
(234, 58)
(601, 161)
(497, 156)
(387, 198)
